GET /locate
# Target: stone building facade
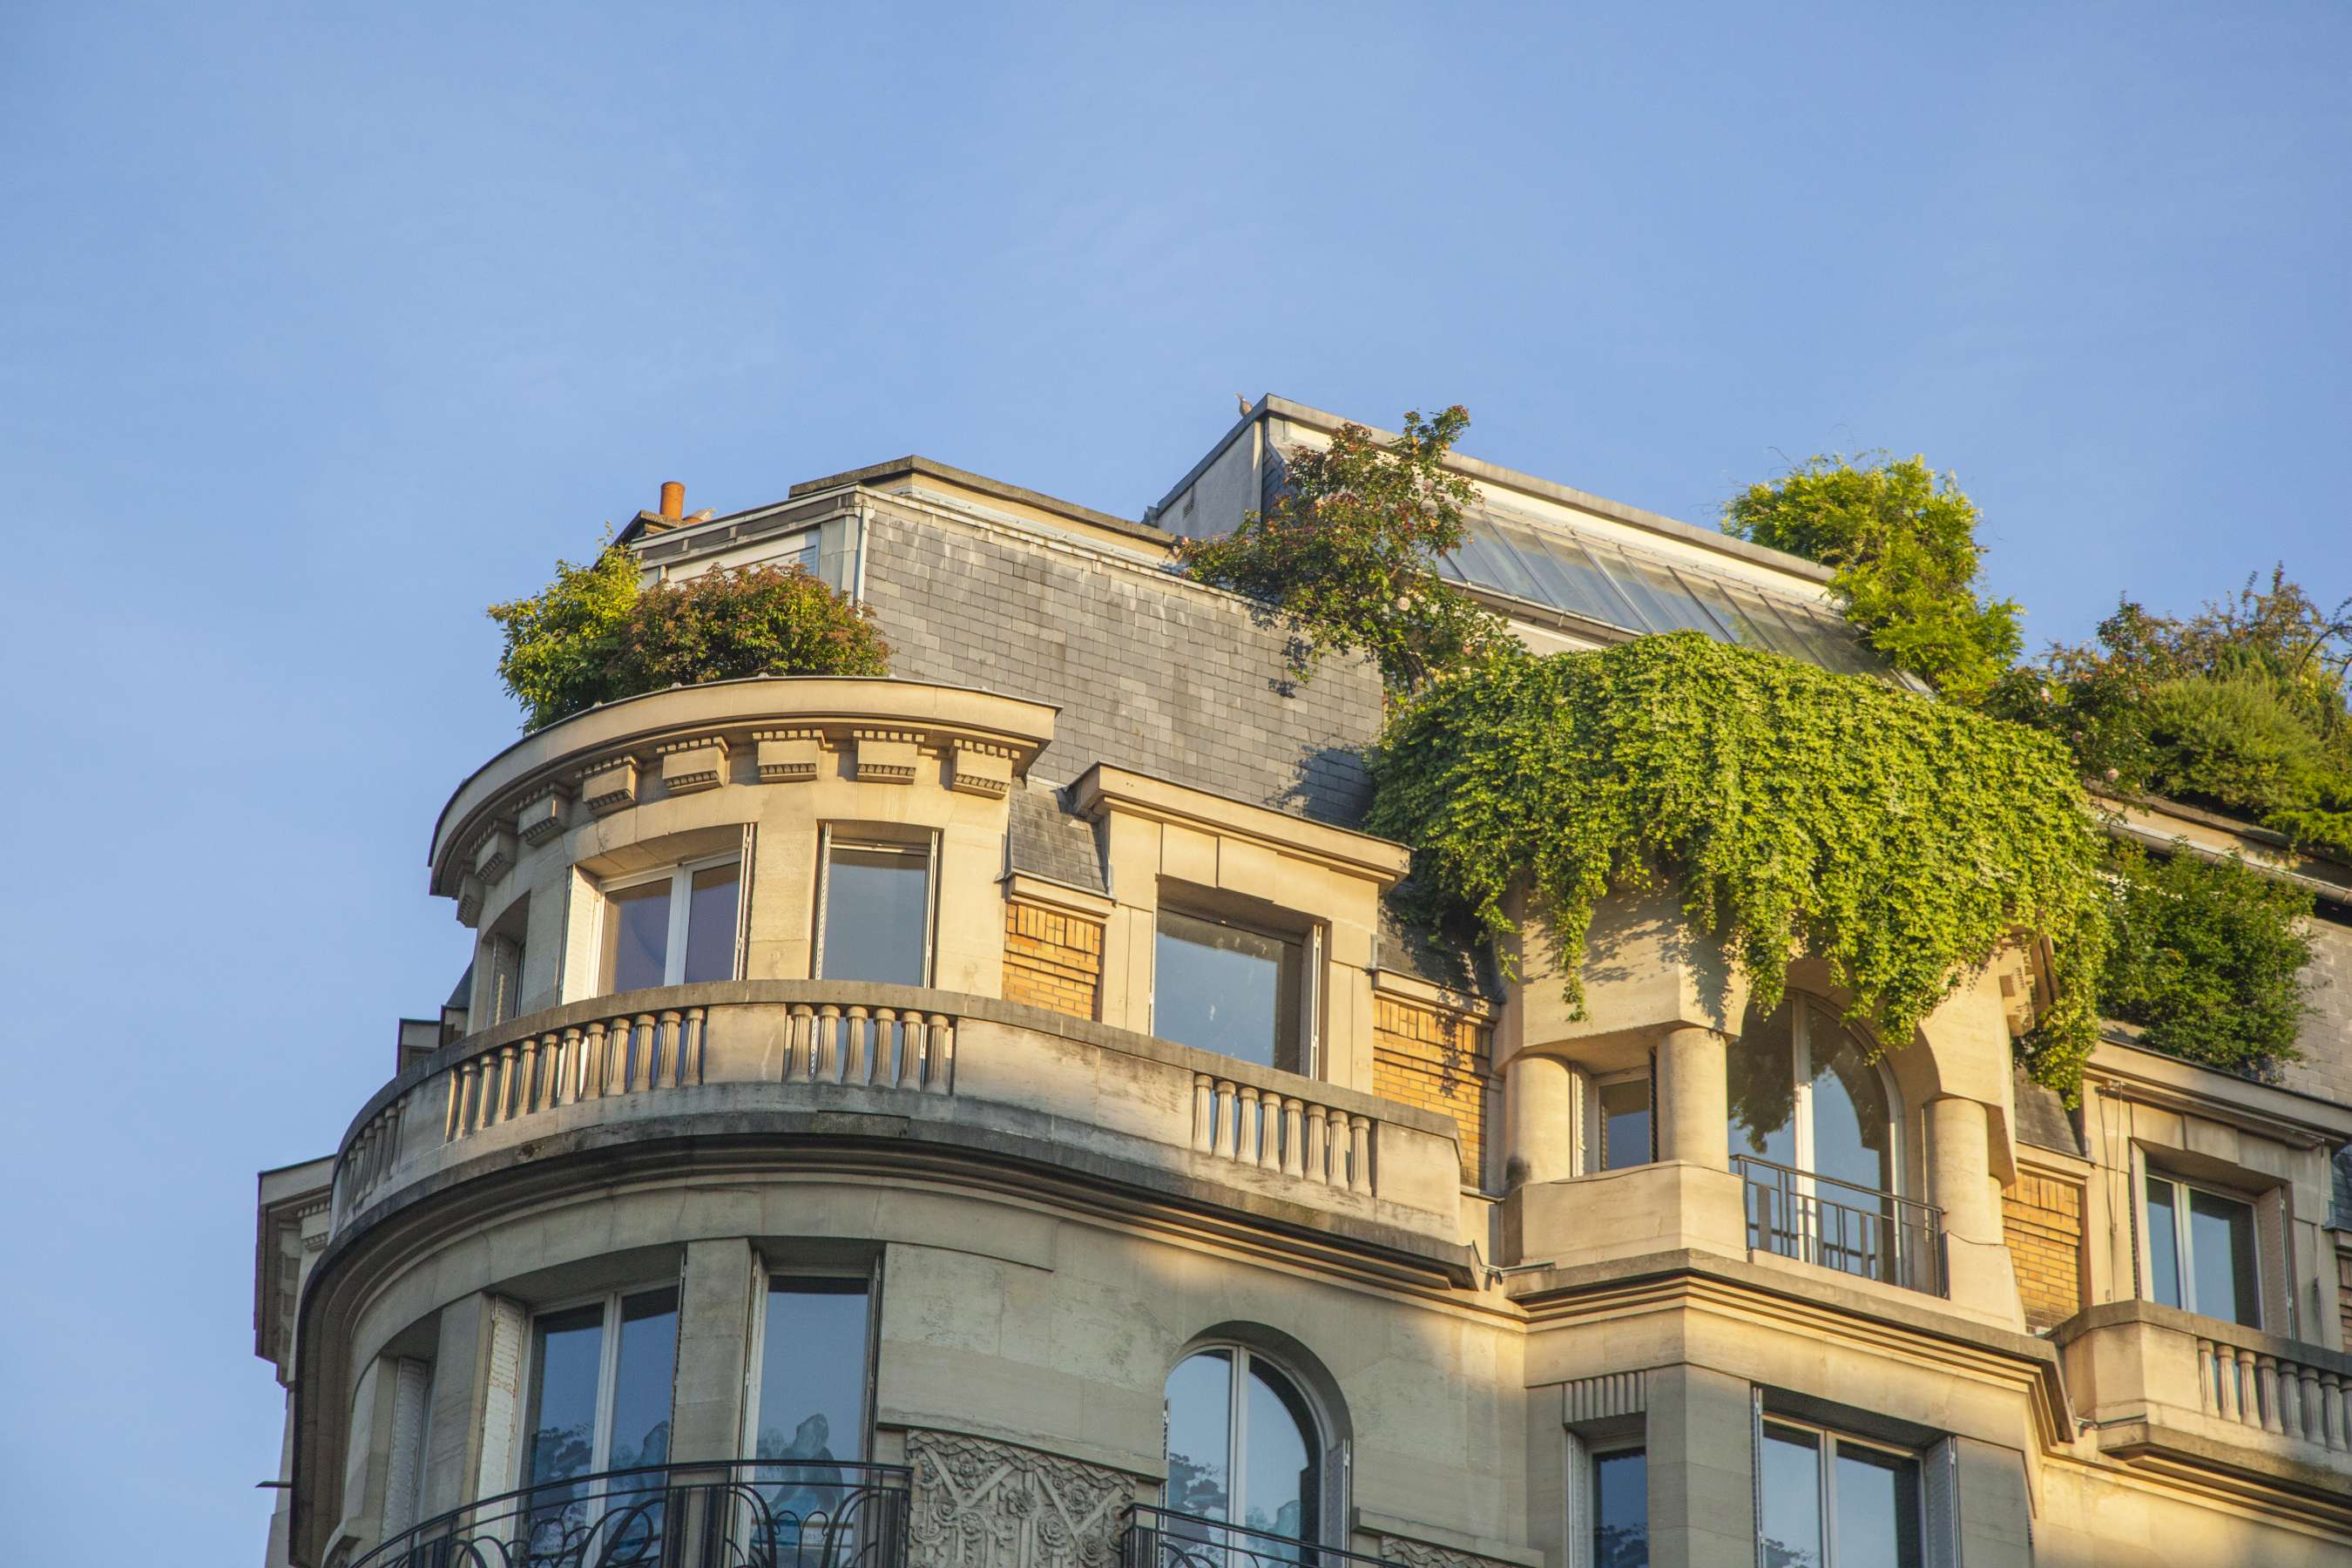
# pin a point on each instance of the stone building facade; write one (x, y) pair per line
(993, 1117)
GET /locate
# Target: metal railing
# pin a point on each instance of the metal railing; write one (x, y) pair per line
(1843, 1226)
(741, 1513)
(1163, 1537)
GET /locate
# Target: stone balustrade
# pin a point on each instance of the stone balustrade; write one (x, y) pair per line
(1278, 1132)
(2153, 1377)
(1074, 1091)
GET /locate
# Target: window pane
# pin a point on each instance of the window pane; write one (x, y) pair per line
(1851, 1122)
(812, 1370)
(2222, 1253)
(877, 913)
(1790, 1486)
(641, 1389)
(1877, 1508)
(1226, 989)
(2163, 1246)
(1762, 1068)
(1621, 1510)
(1624, 1124)
(1199, 1398)
(567, 1357)
(710, 925)
(1279, 1491)
(637, 937)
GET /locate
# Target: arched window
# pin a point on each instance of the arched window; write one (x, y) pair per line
(1243, 1445)
(1815, 1128)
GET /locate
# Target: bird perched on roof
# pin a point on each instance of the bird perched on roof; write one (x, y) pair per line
(1243, 401)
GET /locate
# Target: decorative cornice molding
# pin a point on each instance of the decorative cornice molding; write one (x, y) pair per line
(608, 785)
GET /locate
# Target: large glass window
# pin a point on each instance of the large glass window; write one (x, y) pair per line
(1832, 1502)
(601, 1376)
(1229, 989)
(876, 920)
(1243, 1446)
(1621, 1510)
(674, 929)
(1624, 1123)
(810, 1395)
(2201, 1253)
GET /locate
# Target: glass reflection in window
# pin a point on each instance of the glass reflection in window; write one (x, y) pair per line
(1625, 1123)
(878, 912)
(1226, 988)
(1243, 1446)
(672, 929)
(2201, 1252)
(1621, 1510)
(1832, 1502)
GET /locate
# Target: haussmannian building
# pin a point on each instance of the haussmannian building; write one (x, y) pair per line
(992, 1117)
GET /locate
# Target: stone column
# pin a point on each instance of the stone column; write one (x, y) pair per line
(1701, 1443)
(1693, 1117)
(1959, 1173)
(1541, 1091)
(714, 1338)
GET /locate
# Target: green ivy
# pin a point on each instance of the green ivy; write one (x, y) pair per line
(2207, 957)
(1346, 553)
(1902, 541)
(592, 637)
(1796, 810)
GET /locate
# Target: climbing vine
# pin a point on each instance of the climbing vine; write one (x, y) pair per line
(1796, 810)
(2207, 957)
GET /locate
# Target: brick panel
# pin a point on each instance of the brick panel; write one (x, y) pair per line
(2343, 1291)
(1436, 1061)
(2043, 1221)
(1052, 960)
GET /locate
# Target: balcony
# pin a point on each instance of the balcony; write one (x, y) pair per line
(1162, 1537)
(742, 1513)
(1837, 1224)
(2154, 1379)
(918, 1067)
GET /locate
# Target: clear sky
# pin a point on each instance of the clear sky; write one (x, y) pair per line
(323, 326)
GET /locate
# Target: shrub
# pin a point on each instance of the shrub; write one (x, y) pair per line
(1346, 553)
(2207, 956)
(592, 635)
(1902, 542)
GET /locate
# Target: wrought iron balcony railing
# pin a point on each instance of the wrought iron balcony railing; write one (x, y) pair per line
(1163, 1537)
(1838, 1225)
(744, 1513)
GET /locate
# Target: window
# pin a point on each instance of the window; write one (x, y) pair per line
(809, 1392)
(1243, 1446)
(875, 911)
(2201, 1252)
(1814, 1131)
(1833, 1502)
(676, 927)
(1621, 1510)
(1229, 989)
(1624, 1121)
(600, 1398)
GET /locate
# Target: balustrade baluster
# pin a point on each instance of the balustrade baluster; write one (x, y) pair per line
(939, 1072)
(1250, 1126)
(2207, 1376)
(1294, 1128)
(527, 1085)
(1318, 1144)
(798, 1027)
(1204, 1113)
(823, 1058)
(649, 1030)
(698, 1024)
(1228, 1113)
(1360, 1153)
(853, 1053)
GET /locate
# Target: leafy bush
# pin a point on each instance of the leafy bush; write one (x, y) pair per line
(2241, 707)
(592, 637)
(1345, 552)
(1902, 839)
(2207, 957)
(1902, 542)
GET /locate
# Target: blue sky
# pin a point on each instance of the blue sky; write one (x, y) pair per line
(324, 326)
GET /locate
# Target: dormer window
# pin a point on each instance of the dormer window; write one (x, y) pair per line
(1235, 989)
(674, 928)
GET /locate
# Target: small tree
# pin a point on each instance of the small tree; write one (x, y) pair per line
(2207, 956)
(593, 635)
(1901, 540)
(1346, 553)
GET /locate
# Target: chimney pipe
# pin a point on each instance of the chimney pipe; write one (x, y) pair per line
(673, 505)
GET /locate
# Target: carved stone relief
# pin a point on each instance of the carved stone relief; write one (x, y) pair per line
(984, 1504)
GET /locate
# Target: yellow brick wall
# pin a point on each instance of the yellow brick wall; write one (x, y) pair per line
(1052, 960)
(1436, 1061)
(2042, 1222)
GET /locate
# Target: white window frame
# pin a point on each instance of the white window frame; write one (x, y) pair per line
(1831, 1440)
(680, 879)
(1334, 1462)
(1308, 938)
(1801, 1115)
(765, 1269)
(2184, 1258)
(608, 1373)
(927, 847)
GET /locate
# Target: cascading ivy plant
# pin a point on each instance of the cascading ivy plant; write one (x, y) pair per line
(1902, 840)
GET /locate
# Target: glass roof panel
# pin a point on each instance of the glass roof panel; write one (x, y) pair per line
(1569, 579)
(1664, 602)
(1503, 568)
